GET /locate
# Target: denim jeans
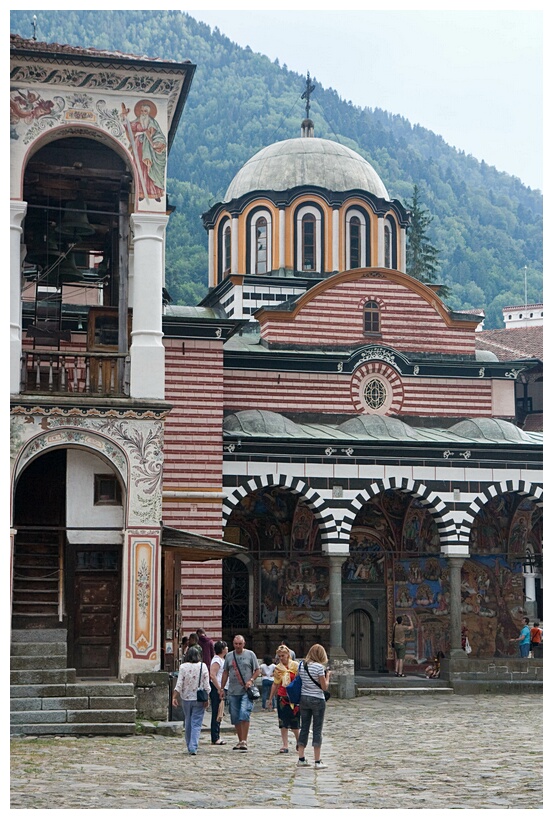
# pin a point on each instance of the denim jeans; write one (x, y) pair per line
(266, 686)
(312, 708)
(193, 719)
(524, 649)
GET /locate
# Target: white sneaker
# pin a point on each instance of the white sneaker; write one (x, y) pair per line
(303, 763)
(320, 765)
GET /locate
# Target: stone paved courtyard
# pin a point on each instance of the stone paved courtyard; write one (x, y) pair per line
(408, 752)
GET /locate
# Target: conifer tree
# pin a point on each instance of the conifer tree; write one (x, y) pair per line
(422, 256)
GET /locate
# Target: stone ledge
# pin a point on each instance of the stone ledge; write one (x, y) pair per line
(127, 715)
(104, 729)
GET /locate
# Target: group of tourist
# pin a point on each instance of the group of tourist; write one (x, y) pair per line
(230, 676)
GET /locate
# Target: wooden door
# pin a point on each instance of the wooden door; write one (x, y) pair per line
(95, 605)
(358, 639)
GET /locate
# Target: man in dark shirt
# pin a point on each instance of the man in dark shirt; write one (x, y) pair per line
(207, 646)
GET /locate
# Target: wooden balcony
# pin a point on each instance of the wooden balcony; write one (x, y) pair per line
(75, 373)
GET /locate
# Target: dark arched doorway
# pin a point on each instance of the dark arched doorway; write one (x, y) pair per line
(358, 640)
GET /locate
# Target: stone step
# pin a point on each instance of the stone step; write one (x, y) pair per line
(75, 729)
(392, 691)
(39, 635)
(80, 715)
(100, 689)
(72, 703)
(40, 677)
(34, 662)
(39, 649)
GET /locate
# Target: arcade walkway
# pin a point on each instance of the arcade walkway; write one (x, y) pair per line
(411, 752)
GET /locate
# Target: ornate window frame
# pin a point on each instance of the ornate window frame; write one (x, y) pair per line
(302, 211)
(253, 265)
(364, 221)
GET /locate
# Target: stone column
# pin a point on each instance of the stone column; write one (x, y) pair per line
(17, 214)
(335, 240)
(281, 239)
(403, 251)
(455, 566)
(234, 246)
(380, 244)
(147, 351)
(342, 678)
(211, 275)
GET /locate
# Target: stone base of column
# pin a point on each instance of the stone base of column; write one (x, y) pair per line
(342, 679)
(457, 654)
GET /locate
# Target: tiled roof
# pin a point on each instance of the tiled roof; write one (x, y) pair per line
(523, 307)
(513, 343)
(18, 43)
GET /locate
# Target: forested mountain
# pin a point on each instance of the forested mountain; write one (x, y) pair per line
(486, 225)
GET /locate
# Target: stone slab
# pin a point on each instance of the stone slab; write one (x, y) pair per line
(89, 689)
(126, 715)
(37, 717)
(42, 677)
(39, 635)
(25, 704)
(73, 703)
(105, 703)
(37, 690)
(105, 729)
(38, 662)
(38, 649)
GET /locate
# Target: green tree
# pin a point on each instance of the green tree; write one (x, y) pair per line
(422, 256)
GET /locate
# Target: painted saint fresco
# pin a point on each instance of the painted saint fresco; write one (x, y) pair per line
(282, 534)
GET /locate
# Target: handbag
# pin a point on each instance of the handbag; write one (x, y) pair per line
(201, 693)
(293, 689)
(253, 690)
(326, 693)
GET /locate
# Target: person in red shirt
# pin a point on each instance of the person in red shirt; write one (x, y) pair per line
(535, 639)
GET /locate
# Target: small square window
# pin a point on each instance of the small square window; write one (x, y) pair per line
(107, 491)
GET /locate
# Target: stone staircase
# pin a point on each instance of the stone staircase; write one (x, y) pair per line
(388, 685)
(47, 698)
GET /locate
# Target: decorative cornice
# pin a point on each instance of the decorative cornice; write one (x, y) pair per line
(90, 412)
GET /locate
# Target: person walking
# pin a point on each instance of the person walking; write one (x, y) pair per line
(207, 646)
(399, 637)
(267, 668)
(523, 638)
(193, 676)
(215, 676)
(288, 714)
(536, 637)
(241, 669)
(315, 679)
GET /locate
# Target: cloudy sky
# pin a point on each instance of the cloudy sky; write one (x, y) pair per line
(474, 77)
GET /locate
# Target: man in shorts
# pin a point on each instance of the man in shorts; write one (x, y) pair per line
(240, 669)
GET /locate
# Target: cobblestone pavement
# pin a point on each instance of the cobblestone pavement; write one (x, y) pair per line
(400, 752)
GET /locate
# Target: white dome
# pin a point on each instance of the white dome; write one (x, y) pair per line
(306, 161)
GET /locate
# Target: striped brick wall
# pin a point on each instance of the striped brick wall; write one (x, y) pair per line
(335, 316)
(338, 393)
(193, 462)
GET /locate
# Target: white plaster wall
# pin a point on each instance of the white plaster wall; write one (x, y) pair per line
(81, 468)
(503, 398)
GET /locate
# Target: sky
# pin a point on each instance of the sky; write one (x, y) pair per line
(473, 77)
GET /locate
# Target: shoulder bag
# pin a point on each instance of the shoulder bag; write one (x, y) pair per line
(201, 693)
(326, 693)
(293, 689)
(253, 690)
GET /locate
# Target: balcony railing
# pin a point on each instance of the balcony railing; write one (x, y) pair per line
(75, 373)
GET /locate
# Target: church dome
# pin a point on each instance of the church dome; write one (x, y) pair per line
(306, 161)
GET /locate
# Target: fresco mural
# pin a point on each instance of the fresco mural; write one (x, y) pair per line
(282, 534)
(395, 542)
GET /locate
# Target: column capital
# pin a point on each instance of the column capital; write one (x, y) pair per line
(149, 225)
(18, 209)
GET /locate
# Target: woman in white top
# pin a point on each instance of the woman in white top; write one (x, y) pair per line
(193, 675)
(315, 680)
(267, 669)
(216, 676)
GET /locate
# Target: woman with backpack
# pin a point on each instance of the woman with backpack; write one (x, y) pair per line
(315, 679)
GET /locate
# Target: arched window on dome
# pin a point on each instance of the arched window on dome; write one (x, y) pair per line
(309, 243)
(225, 245)
(390, 244)
(260, 256)
(371, 317)
(357, 245)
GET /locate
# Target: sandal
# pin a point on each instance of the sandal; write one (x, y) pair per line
(219, 742)
(283, 751)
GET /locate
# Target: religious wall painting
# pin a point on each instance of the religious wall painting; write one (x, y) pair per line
(294, 591)
(492, 602)
(366, 560)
